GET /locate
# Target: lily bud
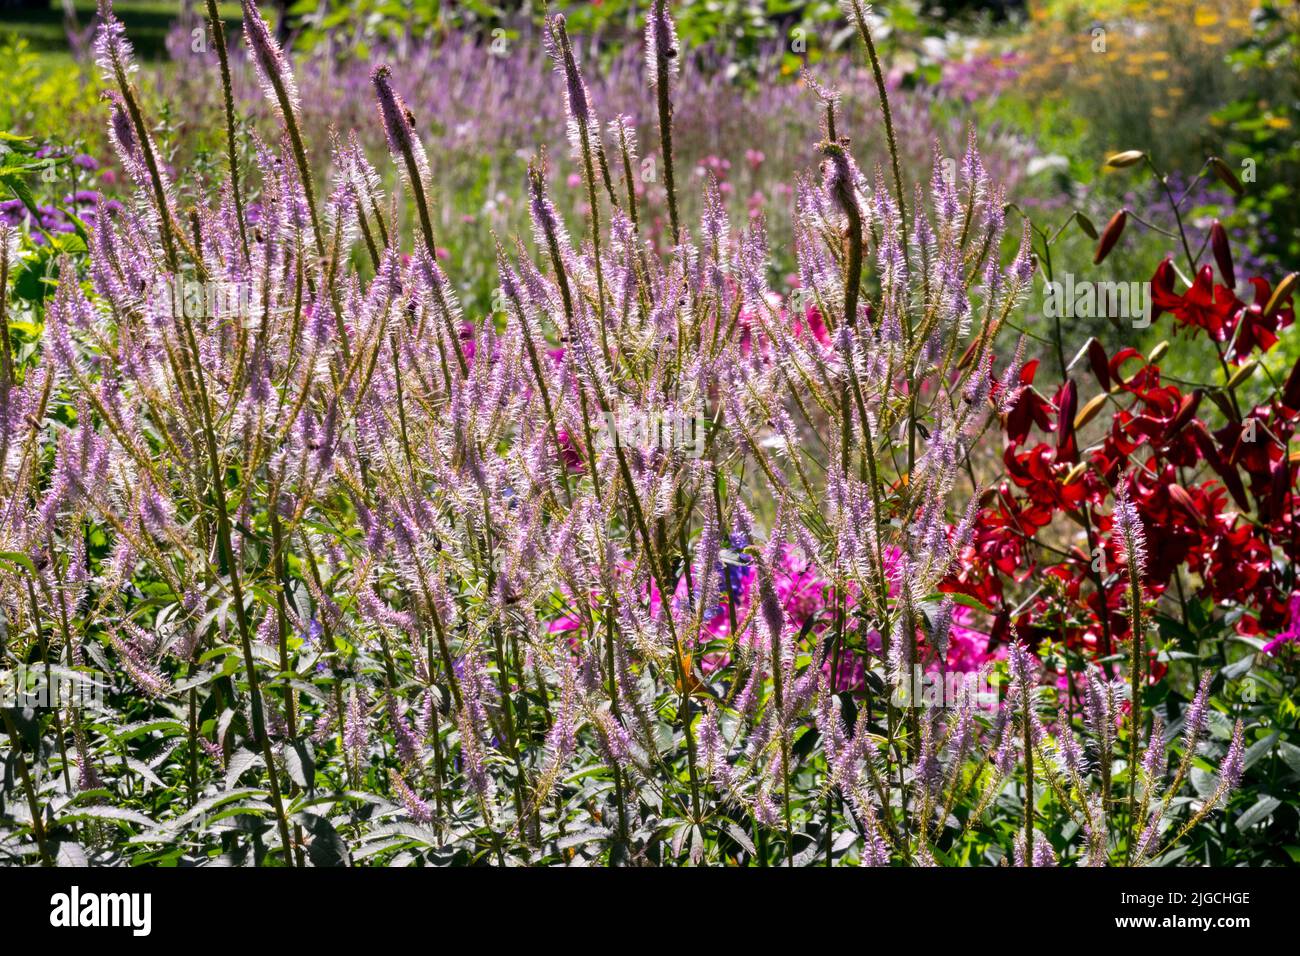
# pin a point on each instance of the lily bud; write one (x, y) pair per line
(1226, 175)
(1222, 254)
(1280, 295)
(1090, 410)
(1100, 363)
(1065, 446)
(1114, 229)
(1243, 373)
(1130, 157)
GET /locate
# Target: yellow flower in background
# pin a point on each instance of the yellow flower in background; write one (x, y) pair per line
(1278, 122)
(1210, 39)
(1205, 18)
(1159, 75)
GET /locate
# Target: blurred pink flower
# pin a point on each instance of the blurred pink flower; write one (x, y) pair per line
(1292, 633)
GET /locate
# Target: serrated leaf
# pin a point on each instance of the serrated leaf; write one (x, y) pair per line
(14, 557)
(975, 604)
(1240, 667)
(71, 854)
(1203, 782)
(588, 835)
(144, 771)
(168, 728)
(1260, 748)
(106, 813)
(240, 761)
(327, 848)
(1260, 812)
(203, 807)
(301, 764)
(198, 680)
(1290, 753)
(409, 831)
(741, 837)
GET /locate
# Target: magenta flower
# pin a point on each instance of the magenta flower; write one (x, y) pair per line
(1292, 633)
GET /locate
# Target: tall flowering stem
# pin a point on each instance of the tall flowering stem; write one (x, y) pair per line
(399, 126)
(859, 12)
(662, 57)
(114, 56)
(1128, 527)
(274, 68)
(585, 128)
(217, 27)
(6, 348)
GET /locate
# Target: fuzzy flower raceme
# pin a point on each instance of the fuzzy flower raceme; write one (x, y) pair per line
(272, 65)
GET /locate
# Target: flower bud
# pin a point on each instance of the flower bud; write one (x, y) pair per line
(1069, 400)
(1226, 175)
(1222, 254)
(1090, 410)
(1099, 362)
(1130, 157)
(1243, 373)
(1114, 229)
(1280, 295)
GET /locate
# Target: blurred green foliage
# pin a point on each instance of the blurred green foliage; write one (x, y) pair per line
(1263, 126)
